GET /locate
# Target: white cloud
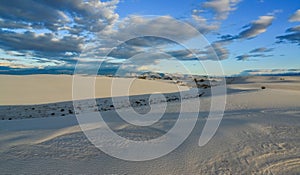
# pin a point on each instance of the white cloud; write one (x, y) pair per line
(202, 26)
(295, 17)
(166, 26)
(222, 8)
(257, 27)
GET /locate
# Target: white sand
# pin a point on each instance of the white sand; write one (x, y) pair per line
(259, 134)
(40, 89)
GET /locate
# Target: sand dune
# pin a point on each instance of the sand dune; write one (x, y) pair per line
(41, 89)
(259, 134)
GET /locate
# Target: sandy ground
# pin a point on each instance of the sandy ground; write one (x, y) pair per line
(259, 134)
(41, 89)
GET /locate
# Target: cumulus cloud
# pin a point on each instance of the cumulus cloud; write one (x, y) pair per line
(257, 27)
(251, 30)
(295, 17)
(136, 34)
(164, 26)
(222, 8)
(54, 15)
(47, 42)
(53, 29)
(202, 25)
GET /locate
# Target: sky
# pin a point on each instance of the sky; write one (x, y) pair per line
(125, 37)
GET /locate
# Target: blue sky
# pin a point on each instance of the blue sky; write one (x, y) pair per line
(245, 36)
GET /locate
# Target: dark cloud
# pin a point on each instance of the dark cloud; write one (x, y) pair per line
(261, 49)
(148, 41)
(124, 51)
(227, 37)
(293, 35)
(293, 29)
(246, 57)
(47, 42)
(216, 51)
(30, 12)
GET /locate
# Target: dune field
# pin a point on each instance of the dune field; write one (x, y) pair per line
(259, 133)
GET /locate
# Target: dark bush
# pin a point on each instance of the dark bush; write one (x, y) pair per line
(263, 87)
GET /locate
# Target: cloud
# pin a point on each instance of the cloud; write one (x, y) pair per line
(220, 51)
(52, 29)
(202, 25)
(45, 42)
(159, 26)
(295, 17)
(294, 29)
(257, 27)
(216, 51)
(293, 35)
(54, 15)
(124, 51)
(261, 49)
(253, 29)
(221, 7)
(246, 57)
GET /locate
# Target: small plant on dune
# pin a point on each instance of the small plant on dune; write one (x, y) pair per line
(263, 87)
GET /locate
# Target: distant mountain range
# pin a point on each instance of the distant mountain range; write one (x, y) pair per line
(112, 72)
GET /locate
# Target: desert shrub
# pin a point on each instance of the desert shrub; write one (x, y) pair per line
(263, 87)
